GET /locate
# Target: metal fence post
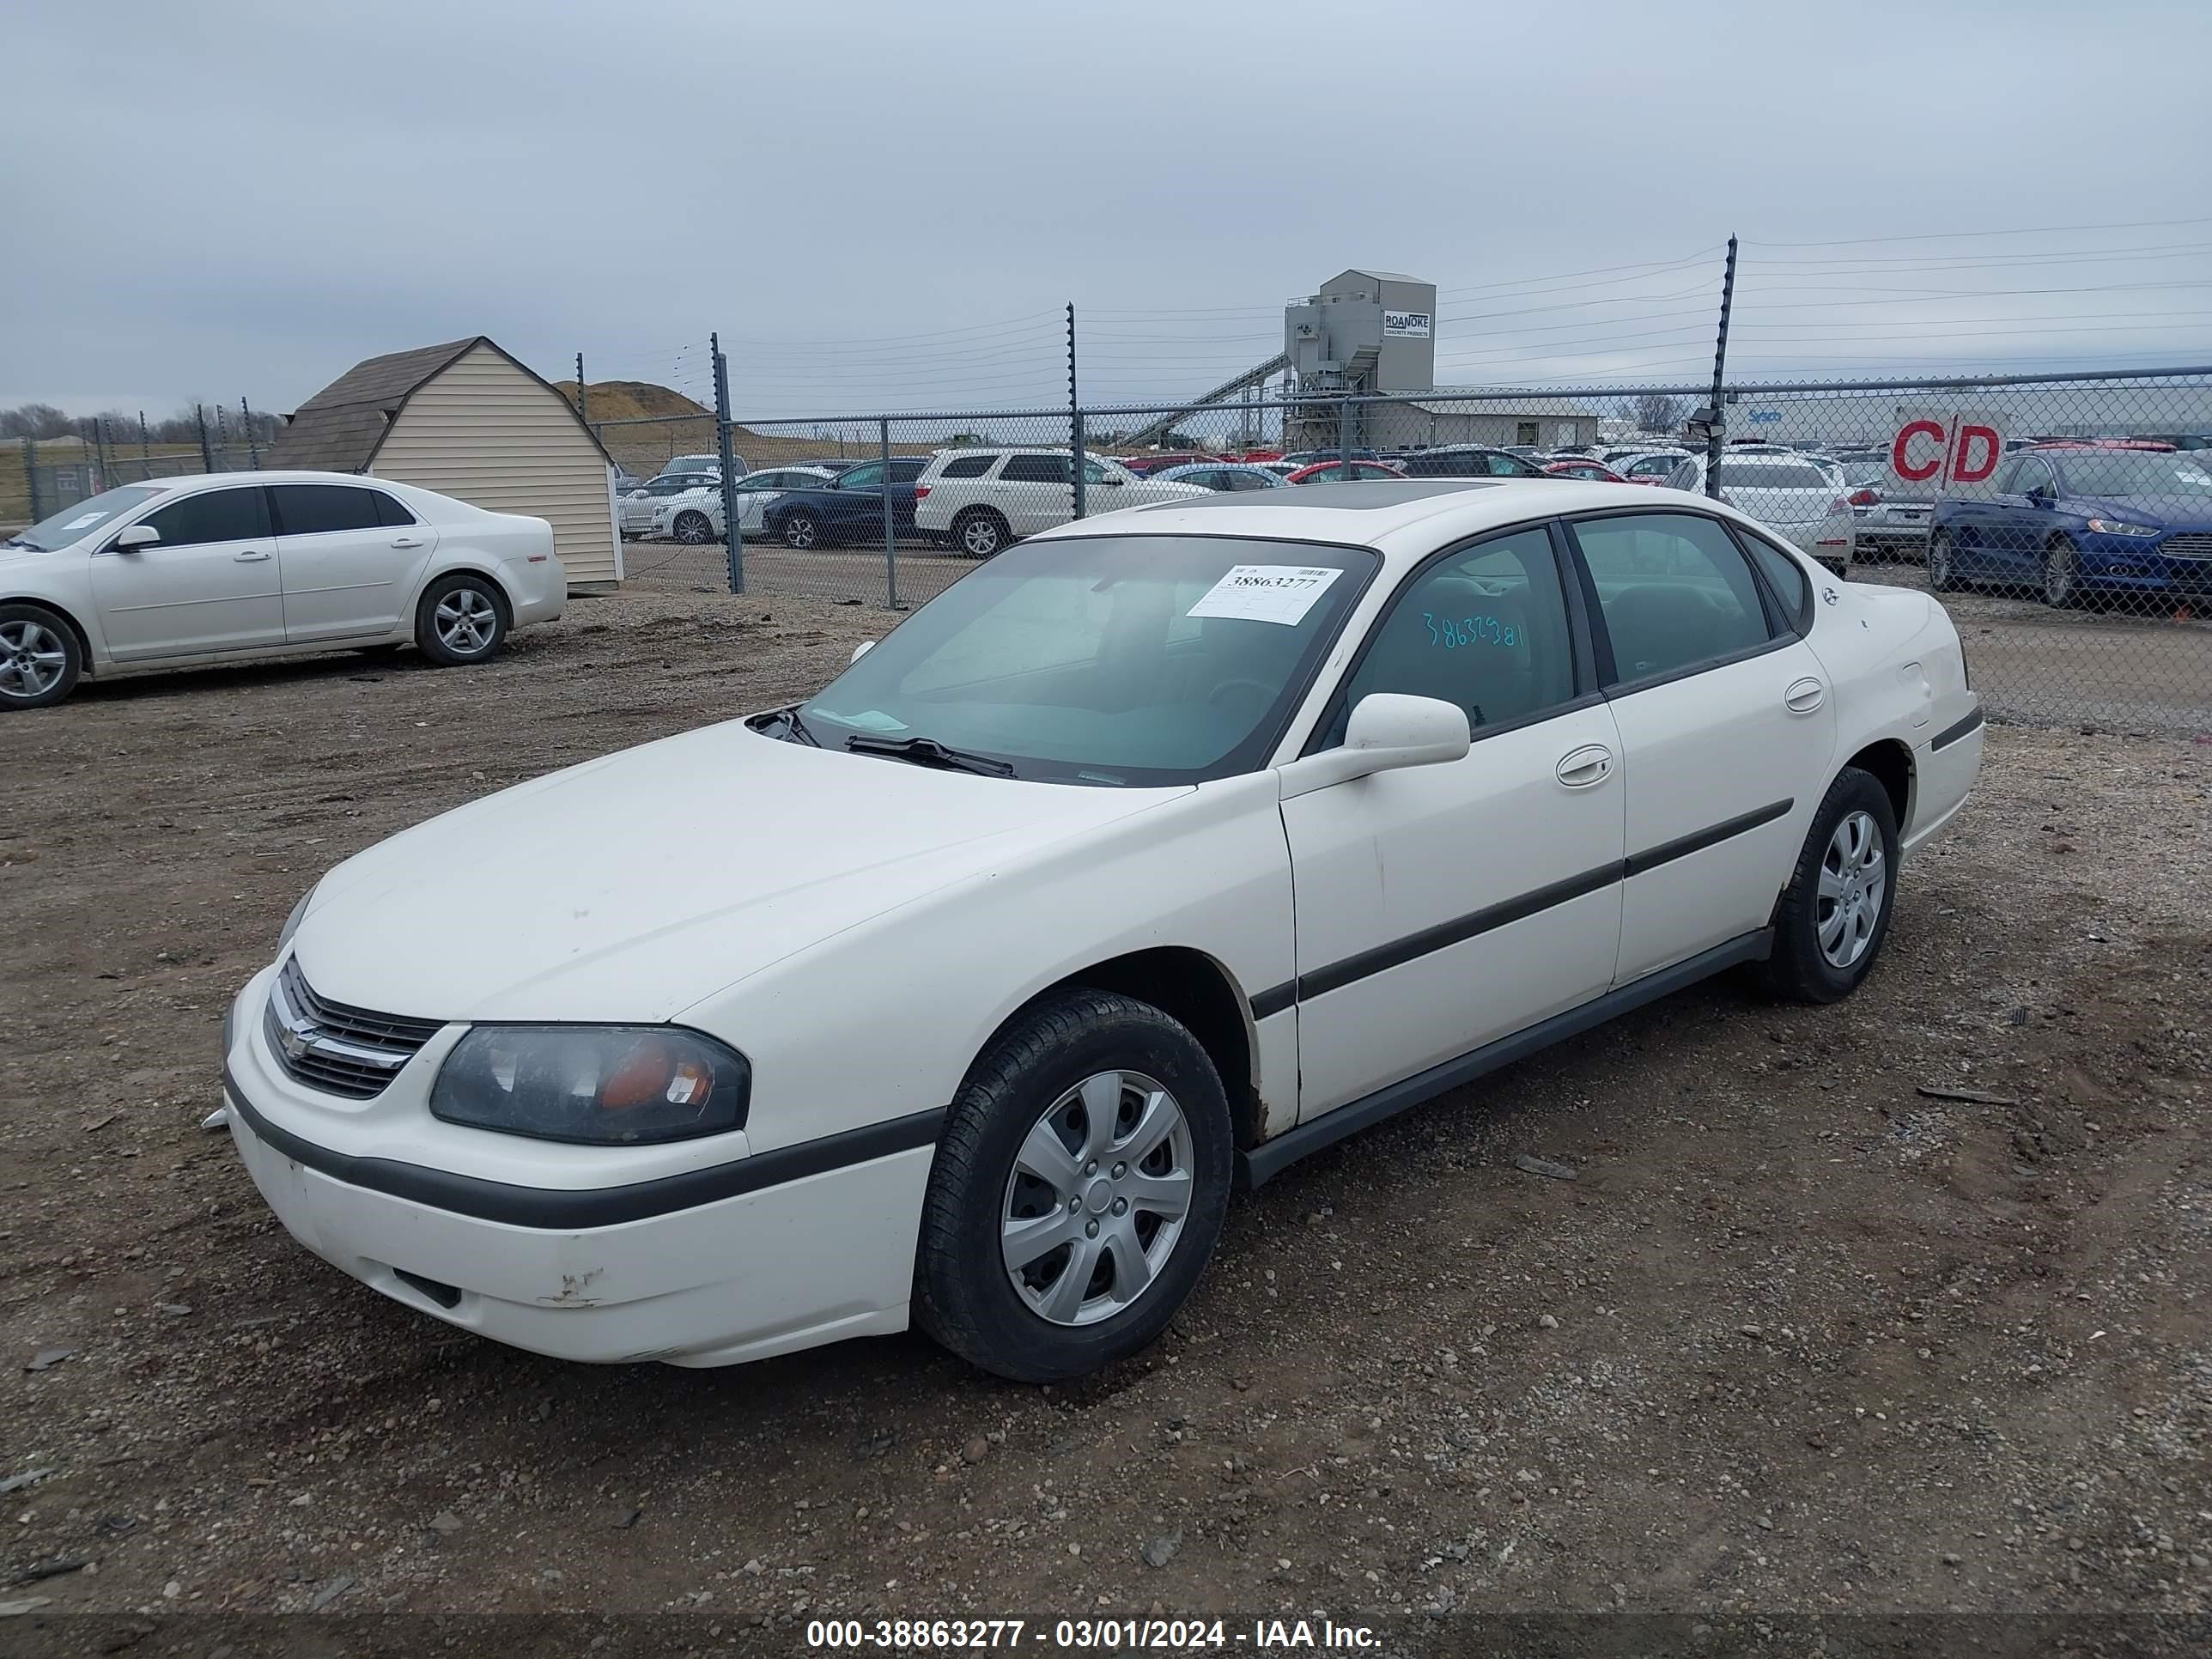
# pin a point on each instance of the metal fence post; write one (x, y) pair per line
(1717, 437)
(890, 518)
(1344, 439)
(253, 444)
(145, 443)
(1075, 419)
(727, 452)
(31, 475)
(207, 454)
(583, 404)
(100, 448)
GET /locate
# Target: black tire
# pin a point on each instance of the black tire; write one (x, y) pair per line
(964, 1293)
(34, 644)
(1799, 968)
(1942, 565)
(2061, 575)
(801, 531)
(981, 533)
(469, 595)
(693, 529)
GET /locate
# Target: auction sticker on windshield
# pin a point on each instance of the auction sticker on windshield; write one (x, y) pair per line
(1267, 592)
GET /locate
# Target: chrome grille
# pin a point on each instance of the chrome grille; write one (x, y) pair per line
(333, 1045)
(2197, 545)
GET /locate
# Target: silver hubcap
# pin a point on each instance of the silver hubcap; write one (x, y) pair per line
(1097, 1199)
(32, 659)
(982, 537)
(692, 528)
(2058, 575)
(1854, 881)
(465, 620)
(1938, 559)
(799, 532)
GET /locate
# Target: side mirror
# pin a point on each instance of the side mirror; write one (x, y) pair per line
(858, 652)
(1388, 729)
(136, 536)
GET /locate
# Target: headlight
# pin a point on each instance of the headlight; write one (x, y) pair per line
(2116, 527)
(292, 922)
(603, 1084)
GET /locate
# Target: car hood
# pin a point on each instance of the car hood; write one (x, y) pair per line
(631, 887)
(2174, 512)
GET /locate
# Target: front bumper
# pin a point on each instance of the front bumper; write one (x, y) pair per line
(822, 1256)
(2137, 563)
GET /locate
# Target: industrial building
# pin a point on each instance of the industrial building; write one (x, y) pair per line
(1373, 333)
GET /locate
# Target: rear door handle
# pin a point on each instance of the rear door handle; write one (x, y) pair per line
(251, 555)
(1590, 764)
(1804, 695)
(407, 541)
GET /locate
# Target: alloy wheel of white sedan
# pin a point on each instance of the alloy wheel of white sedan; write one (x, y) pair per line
(37, 658)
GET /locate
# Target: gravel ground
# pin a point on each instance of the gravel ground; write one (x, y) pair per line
(1892, 1306)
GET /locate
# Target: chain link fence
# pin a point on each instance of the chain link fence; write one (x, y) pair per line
(2066, 520)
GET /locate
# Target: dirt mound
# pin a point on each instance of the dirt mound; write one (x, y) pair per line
(626, 400)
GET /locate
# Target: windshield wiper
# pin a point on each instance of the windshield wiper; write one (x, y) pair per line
(797, 727)
(928, 752)
(18, 541)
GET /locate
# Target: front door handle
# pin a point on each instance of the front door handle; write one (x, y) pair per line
(1804, 695)
(251, 555)
(1590, 764)
(407, 541)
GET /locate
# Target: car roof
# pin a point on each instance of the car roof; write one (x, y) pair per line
(193, 480)
(1407, 518)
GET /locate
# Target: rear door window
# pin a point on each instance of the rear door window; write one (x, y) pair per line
(1035, 469)
(319, 510)
(1675, 590)
(967, 466)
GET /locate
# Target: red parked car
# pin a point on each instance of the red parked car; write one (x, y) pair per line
(1589, 471)
(1332, 472)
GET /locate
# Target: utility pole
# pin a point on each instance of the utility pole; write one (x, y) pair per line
(1075, 417)
(1716, 435)
(583, 406)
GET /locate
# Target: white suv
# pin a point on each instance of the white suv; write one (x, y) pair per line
(980, 500)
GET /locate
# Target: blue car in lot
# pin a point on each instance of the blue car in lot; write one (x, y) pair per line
(848, 508)
(2081, 521)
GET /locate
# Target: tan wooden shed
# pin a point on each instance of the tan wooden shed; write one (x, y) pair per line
(467, 420)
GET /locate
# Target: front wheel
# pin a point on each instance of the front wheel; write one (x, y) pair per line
(2061, 575)
(461, 619)
(800, 530)
(1942, 567)
(692, 529)
(1835, 914)
(39, 659)
(1077, 1192)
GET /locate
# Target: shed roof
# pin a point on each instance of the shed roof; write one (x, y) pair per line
(342, 427)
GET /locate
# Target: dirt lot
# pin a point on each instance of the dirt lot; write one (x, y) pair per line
(1803, 1336)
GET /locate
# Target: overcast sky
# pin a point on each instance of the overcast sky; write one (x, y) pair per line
(884, 202)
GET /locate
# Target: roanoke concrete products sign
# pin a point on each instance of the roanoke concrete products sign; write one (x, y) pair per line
(1406, 324)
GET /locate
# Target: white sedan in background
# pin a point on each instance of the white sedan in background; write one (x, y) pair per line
(989, 987)
(1798, 497)
(237, 564)
(694, 515)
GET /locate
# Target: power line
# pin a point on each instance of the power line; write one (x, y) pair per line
(1940, 236)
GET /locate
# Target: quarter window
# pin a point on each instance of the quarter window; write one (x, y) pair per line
(318, 509)
(1484, 628)
(1675, 590)
(389, 512)
(1783, 574)
(214, 516)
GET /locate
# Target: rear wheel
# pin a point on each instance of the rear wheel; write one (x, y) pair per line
(980, 532)
(1077, 1192)
(39, 658)
(2061, 573)
(461, 619)
(800, 530)
(1942, 570)
(1835, 914)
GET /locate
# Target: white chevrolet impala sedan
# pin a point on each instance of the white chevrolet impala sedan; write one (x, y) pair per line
(1162, 850)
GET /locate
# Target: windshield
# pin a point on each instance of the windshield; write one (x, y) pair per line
(87, 518)
(1134, 660)
(2142, 473)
